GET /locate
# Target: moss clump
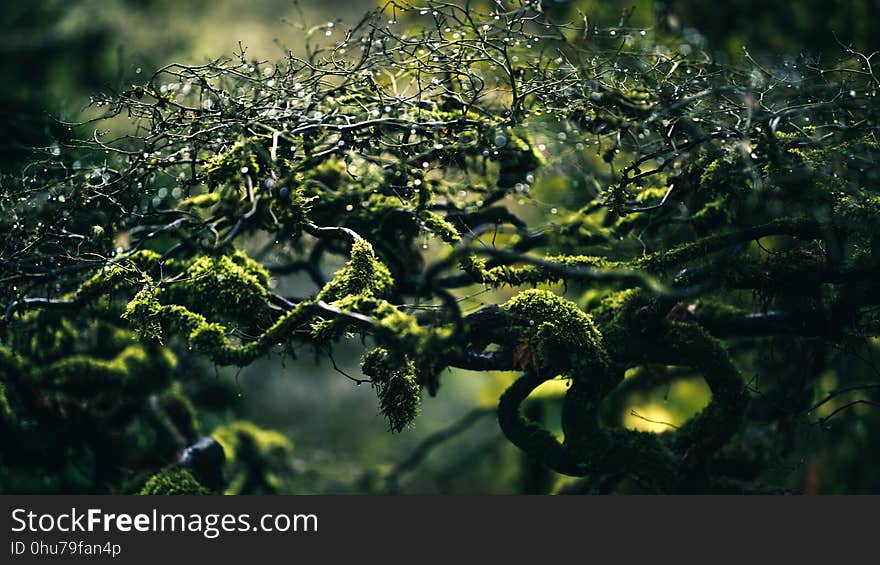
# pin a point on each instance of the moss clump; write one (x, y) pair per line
(227, 287)
(142, 312)
(717, 310)
(205, 200)
(133, 370)
(363, 275)
(698, 250)
(473, 265)
(253, 453)
(208, 337)
(615, 303)
(245, 156)
(330, 172)
(563, 336)
(537, 274)
(115, 275)
(269, 442)
(723, 175)
(291, 210)
(359, 287)
(152, 319)
(437, 225)
(173, 481)
(618, 317)
(397, 387)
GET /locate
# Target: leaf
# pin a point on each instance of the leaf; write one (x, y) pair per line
(525, 357)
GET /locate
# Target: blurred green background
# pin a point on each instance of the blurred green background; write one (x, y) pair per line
(56, 53)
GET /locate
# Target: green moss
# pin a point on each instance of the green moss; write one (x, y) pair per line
(291, 211)
(111, 276)
(329, 172)
(363, 275)
(353, 289)
(154, 320)
(691, 345)
(173, 481)
(717, 310)
(253, 453)
(536, 274)
(395, 325)
(699, 249)
(358, 287)
(134, 369)
(724, 175)
(396, 385)
(715, 213)
(269, 442)
(224, 287)
(473, 265)
(200, 200)
(789, 271)
(564, 337)
(437, 225)
(208, 337)
(142, 312)
(616, 303)
(245, 156)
